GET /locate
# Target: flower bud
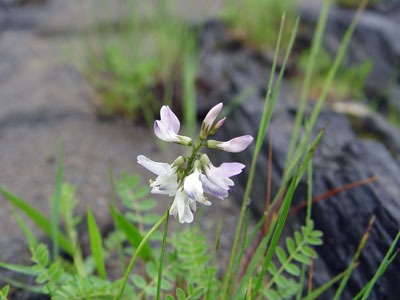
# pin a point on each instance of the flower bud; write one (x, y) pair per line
(234, 145)
(204, 160)
(179, 161)
(217, 125)
(184, 140)
(209, 120)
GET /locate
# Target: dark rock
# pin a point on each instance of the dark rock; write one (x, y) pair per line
(376, 38)
(343, 157)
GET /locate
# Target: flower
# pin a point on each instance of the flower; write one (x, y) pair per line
(216, 182)
(188, 178)
(194, 188)
(167, 128)
(182, 206)
(167, 179)
(237, 144)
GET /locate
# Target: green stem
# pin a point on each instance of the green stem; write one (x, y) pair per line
(193, 156)
(160, 267)
(136, 255)
(280, 270)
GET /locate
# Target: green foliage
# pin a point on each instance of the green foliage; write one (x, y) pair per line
(135, 67)
(96, 244)
(191, 250)
(4, 292)
(258, 21)
(356, 3)
(38, 218)
(283, 283)
(191, 293)
(349, 82)
(134, 197)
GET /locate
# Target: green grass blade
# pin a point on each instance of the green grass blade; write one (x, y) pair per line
(241, 252)
(31, 288)
(285, 209)
(315, 48)
(19, 268)
(25, 229)
(359, 295)
(40, 220)
(55, 204)
(189, 90)
(317, 292)
(112, 190)
(139, 249)
(329, 79)
(336, 64)
(132, 234)
(382, 266)
(160, 266)
(214, 257)
(267, 112)
(96, 244)
(353, 261)
(301, 282)
(256, 260)
(278, 230)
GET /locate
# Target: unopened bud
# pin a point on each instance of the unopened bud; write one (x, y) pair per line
(217, 125)
(209, 120)
(184, 140)
(213, 144)
(204, 160)
(178, 162)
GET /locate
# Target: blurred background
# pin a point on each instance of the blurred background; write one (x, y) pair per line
(93, 74)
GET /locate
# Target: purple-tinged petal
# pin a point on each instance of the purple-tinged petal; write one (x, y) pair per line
(217, 125)
(213, 189)
(211, 116)
(169, 119)
(237, 144)
(225, 170)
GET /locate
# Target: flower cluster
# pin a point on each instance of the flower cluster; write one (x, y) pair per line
(187, 179)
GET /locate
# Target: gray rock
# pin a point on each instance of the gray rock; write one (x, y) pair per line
(376, 38)
(343, 157)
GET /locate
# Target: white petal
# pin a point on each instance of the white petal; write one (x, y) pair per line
(153, 166)
(169, 119)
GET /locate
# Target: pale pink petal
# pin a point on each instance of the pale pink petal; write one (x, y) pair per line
(237, 144)
(169, 119)
(211, 116)
(225, 170)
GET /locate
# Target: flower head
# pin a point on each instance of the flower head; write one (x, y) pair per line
(167, 128)
(188, 179)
